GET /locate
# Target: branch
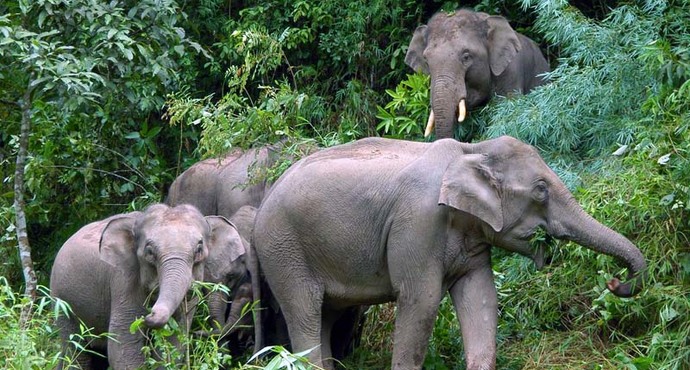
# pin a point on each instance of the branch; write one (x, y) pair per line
(101, 171)
(9, 102)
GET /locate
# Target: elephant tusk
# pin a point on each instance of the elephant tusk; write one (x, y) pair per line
(429, 124)
(462, 110)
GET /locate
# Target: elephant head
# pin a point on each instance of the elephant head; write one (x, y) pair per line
(167, 247)
(225, 266)
(470, 56)
(506, 184)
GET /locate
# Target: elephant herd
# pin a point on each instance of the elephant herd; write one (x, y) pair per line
(372, 221)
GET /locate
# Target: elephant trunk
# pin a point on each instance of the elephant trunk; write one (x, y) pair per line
(175, 279)
(217, 307)
(447, 104)
(243, 296)
(583, 229)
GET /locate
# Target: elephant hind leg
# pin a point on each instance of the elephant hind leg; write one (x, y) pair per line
(301, 307)
(70, 354)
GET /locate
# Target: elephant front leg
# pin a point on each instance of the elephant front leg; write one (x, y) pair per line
(413, 326)
(475, 301)
(124, 351)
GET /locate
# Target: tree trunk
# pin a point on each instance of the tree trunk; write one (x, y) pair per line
(22, 235)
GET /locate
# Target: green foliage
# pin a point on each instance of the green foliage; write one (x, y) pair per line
(595, 92)
(404, 115)
(89, 75)
(283, 359)
(614, 119)
(25, 348)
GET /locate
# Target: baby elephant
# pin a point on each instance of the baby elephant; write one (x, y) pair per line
(109, 268)
(227, 266)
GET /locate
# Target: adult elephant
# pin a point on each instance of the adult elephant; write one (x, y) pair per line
(229, 186)
(226, 186)
(220, 186)
(382, 220)
(471, 56)
(107, 270)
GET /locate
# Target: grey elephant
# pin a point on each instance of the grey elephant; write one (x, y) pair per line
(107, 270)
(228, 266)
(471, 56)
(381, 220)
(220, 186)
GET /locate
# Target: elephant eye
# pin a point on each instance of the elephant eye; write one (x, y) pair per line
(466, 58)
(199, 248)
(149, 251)
(541, 191)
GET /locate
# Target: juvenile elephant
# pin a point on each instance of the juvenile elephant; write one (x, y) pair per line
(107, 270)
(381, 220)
(228, 267)
(471, 56)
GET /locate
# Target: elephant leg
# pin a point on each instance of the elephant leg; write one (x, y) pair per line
(347, 332)
(301, 306)
(475, 301)
(124, 352)
(417, 310)
(328, 319)
(70, 354)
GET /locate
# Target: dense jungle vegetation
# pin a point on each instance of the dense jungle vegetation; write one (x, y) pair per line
(123, 95)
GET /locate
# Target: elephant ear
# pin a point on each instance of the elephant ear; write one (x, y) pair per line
(225, 247)
(117, 247)
(504, 44)
(469, 186)
(415, 51)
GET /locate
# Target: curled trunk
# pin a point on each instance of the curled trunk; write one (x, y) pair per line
(242, 296)
(588, 232)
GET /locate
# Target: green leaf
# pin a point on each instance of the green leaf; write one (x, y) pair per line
(136, 324)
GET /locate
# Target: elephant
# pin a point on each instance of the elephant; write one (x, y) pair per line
(380, 220)
(471, 56)
(228, 267)
(220, 186)
(108, 269)
(223, 186)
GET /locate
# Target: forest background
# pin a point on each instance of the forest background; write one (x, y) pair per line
(121, 96)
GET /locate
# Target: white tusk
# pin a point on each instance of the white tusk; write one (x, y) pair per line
(429, 124)
(462, 110)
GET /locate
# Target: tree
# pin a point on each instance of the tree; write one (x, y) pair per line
(59, 59)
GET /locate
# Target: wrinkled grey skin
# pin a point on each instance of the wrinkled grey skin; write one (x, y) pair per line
(472, 56)
(381, 220)
(221, 186)
(108, 268)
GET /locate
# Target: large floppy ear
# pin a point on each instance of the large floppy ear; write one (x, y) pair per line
(469, 186)
(415, 51)
(503, 44)
(117, 247)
